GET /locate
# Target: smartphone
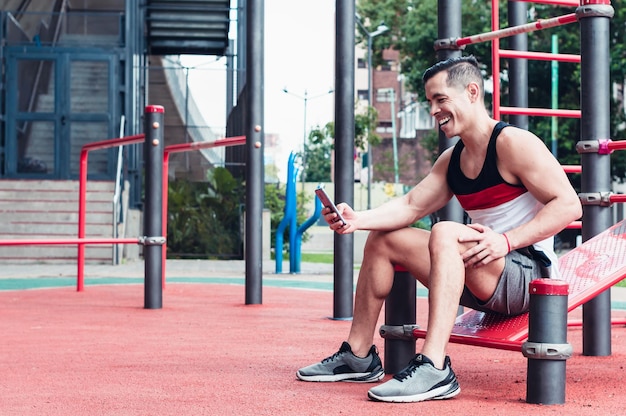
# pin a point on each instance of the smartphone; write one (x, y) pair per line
(327, 202)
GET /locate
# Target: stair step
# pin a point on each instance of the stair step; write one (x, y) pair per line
(48, 209)
(58, 217)
(60, 254)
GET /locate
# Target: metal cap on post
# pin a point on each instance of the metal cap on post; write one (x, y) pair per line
(547, 348)
(153, 206)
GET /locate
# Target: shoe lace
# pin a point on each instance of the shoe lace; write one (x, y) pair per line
(408, 371)
(333, 357)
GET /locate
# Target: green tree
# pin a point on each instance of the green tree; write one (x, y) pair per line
(414, 29)
(318, 154)
(318, 149)
(204, 218)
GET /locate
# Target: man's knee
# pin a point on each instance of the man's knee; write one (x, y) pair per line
(444, 234)
(376, 240)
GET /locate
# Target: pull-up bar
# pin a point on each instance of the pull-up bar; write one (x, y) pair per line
(571, 3)
(607, 146)
(540, 56)
(548, 112)
(516, 30)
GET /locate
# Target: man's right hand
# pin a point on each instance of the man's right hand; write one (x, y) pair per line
(333, 220)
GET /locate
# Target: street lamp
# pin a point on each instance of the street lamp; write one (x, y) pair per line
(305, 98)
(382, 28)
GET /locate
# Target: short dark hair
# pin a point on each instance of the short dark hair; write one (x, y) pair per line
(461, 71)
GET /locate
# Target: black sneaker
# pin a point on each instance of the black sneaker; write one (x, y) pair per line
(345, 366)
(419, 381)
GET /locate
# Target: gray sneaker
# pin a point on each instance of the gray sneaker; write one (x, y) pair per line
(345, 366)
(419, 381)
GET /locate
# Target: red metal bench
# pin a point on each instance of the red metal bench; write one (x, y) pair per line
(589, 269)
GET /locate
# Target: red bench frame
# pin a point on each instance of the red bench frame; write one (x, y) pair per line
(589, 269)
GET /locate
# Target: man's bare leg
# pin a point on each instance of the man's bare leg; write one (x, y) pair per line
(448, 275)
(407, 247)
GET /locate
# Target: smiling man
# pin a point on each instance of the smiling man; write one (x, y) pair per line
(517, 196)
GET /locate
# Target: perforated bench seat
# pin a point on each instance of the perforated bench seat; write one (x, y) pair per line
(589, 269)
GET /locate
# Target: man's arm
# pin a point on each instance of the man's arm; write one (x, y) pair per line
(524, 158)
(429, 195)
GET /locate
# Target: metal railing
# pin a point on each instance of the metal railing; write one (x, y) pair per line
(186, 147)
(117, 195)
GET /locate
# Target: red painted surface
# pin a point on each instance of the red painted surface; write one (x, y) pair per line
(98, 352)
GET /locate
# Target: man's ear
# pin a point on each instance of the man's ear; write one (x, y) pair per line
(473, 91)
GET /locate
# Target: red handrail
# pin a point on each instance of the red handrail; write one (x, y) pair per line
(69, 241)
(82, 193)
(185, 147)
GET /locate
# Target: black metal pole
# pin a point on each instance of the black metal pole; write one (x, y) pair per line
(344, 151)
(255, 180)
(400, 310)
(230, 76)
(448, 27)
(595, 91)
(547, 348)
(153, 206)
(518, 67)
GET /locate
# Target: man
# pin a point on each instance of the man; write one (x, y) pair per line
(517, 196)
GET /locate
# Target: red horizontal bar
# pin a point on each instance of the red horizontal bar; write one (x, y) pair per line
(540, 112)
(540, 56)
(69, 241)
(501, 344)
(572, 3)
(104, 144)
(617, 198)
(516, 30)
(575, 225)
(184, 147)
(617, 145)
(579, 322)
(572, 168)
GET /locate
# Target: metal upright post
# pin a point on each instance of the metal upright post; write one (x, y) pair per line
(448, 27)
(153, 206)
(518, 67)
(547, 348)
(595, 93)
(255, 193)
(400, 312)
(344, 152)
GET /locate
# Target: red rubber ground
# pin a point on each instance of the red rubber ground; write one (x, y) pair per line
(206, 353)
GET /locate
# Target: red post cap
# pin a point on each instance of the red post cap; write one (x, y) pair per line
(155, 109)
(549, 287)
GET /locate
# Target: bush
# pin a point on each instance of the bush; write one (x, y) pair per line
(204, 219)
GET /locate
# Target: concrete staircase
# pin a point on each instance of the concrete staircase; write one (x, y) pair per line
(45, 209)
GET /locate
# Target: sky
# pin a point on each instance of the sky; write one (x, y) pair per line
(299, 56)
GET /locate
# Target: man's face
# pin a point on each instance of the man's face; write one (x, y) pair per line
(449, 105)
